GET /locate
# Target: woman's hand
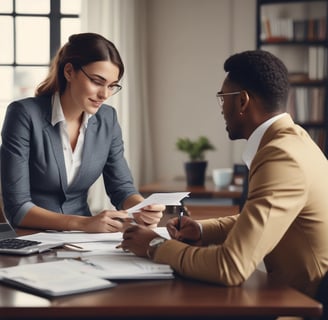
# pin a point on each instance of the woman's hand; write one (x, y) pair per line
(106, 221)
(150, 215)
(185, 230)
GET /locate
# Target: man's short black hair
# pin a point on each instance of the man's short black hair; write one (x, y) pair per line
(261, 73)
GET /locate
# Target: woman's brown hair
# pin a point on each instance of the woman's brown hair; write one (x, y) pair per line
(81, 49)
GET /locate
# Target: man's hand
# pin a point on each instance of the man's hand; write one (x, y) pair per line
(136, 239)
(187, 230)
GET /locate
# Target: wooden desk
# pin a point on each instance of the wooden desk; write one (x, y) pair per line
(161, 299)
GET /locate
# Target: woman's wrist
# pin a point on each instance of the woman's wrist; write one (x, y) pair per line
(75, 223)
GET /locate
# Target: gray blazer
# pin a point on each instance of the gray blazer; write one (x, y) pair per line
(33, 166)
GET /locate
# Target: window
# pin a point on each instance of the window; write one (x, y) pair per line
(31, 31)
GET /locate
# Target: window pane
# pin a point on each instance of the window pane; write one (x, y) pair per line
(6, 92)
(70, 6)
(26, 79)
(7, 85)
(32, 40)
(6, 6)
(6, 40)
(69, 27)
(32, 6)
(19, 82)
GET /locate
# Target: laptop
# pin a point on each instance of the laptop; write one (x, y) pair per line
(10, 243)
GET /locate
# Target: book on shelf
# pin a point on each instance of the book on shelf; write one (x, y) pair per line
(306, 104)
(289, 29)
(317, 63)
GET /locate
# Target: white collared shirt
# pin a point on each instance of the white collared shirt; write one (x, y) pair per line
(254, 140)
(72, 159)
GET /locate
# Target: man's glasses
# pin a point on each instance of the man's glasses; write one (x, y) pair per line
(220, 96)
(113, 88)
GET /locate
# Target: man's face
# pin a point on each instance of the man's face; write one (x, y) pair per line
(231, 110)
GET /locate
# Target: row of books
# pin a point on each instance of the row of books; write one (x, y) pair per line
(306, 104)
(288, 29)
(317, 63)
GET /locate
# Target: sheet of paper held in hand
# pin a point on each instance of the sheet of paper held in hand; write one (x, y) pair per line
(166, 198)
(172, 198)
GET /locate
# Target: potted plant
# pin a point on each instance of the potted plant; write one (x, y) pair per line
(195, 168)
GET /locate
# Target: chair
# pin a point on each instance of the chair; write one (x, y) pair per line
(322, 296)
(2, 216)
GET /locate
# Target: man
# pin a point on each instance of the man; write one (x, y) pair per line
(284, 220)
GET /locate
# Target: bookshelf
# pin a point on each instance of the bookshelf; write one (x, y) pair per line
(297, 32)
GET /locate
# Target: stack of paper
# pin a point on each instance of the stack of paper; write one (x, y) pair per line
(52, 279)
(99, 260)
(69, 276)
(123, 267)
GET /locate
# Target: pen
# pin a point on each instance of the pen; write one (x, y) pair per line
(181, 214)
(119, 246)
(72, 246)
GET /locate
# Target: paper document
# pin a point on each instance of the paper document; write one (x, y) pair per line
(123, 267)
(52, 279)
(166, 198)
(69, 276)
(92, 248)
(80, 237)
(74, 236)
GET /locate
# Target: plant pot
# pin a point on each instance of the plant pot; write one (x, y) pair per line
(195, 172)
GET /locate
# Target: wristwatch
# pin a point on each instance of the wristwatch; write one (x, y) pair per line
(153, 245)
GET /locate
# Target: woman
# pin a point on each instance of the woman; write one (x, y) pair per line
(56, 145)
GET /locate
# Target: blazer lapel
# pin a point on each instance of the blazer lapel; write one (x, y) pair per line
(54, 135)
(88, 150)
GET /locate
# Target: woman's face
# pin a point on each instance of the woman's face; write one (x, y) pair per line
(88, 87)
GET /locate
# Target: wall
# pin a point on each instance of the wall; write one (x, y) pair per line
(188, 42)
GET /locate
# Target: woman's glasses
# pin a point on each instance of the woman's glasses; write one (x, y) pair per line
(113, 88)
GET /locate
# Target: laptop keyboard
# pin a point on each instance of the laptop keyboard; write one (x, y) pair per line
(14, 243)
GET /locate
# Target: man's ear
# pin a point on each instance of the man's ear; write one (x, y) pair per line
(244, 101)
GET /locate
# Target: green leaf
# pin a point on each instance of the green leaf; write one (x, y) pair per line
(195, 149)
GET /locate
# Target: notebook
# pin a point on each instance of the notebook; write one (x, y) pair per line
(10, 243)
(52, 279)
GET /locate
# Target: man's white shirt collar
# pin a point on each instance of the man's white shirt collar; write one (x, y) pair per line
(254, 140)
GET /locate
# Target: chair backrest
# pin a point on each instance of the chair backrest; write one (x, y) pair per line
(322, 295)
(2, 216)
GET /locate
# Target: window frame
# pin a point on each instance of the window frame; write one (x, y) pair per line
(54, 16)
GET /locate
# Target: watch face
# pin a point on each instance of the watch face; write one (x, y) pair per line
(156, 241)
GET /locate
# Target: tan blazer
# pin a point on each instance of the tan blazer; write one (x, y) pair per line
(284, 220)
